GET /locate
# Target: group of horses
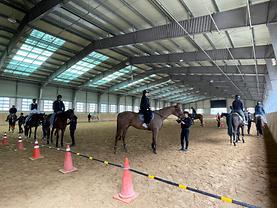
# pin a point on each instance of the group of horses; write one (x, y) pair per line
(38, 119)
(127, 119)
(235, 126)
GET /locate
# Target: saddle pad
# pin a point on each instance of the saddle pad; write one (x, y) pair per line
(141, 116)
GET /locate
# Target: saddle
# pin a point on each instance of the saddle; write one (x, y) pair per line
(235, 113)
(141, 116)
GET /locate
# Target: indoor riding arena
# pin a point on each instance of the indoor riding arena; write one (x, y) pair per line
(138, 103)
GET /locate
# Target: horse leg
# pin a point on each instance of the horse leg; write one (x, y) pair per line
(35, 133)
(57, 137)
(117, 136)
(242, 134)
(52, 131)
(62, 132)
(154, 140)
(123, 139)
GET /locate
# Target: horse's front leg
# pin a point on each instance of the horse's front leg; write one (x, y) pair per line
(35, 133)
(123, 139)
(62, 132)
(154, 140)
(242, 134)
(57, 138)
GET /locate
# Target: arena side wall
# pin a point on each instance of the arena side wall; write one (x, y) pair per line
(272, 124)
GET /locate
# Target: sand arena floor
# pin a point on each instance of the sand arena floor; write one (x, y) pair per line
(211, 164)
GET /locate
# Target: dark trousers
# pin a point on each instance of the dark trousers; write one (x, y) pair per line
(147, 116)
(218, 123)
(45, 131)
(249, 126)
(20, 127)
(185, 138)
(72, 135)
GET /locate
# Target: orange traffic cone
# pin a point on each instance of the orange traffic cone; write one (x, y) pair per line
(5, 140)
(68, 164)
(20, 145)
(36, 152)
(127, 193)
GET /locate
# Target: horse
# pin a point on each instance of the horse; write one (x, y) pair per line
(197, 116)
(12, 120)
(127, 119)
(59, 125)
(34, 121)
(236, 123)
(230, 128)
(259, 125)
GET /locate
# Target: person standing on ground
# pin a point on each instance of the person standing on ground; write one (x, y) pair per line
(186, 123)
(21, 121)
(89, 117)
(72, 128)
(250, 118)
(218, 119)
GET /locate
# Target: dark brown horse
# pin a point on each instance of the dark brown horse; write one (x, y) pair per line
(59, 125)
(33, 122)
(127, 119)
(259, 125)
(198, 116)
(12, 120)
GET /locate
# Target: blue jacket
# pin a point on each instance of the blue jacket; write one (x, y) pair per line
(33, 106)
(186, 123)
(58, 106)
(259, 110)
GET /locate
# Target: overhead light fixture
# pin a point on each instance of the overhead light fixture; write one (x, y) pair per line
(181, 60)
(211, 81)
(273, 60)
(12, 20)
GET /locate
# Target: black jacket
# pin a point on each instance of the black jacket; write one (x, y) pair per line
(185, 123)
(21, 119)
(193, 111)
(237, 105)
(144, 103)
(13, 110)
(58, 106)
(34, 106)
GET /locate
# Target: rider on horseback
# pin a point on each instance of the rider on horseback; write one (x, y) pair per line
(259, 111)
(238, 107)
(58, 107)
(33, 110)
(145, 108)
(12, 111)
(193, 112)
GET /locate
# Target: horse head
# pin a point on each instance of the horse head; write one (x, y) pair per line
(177, 110)
(69, 113)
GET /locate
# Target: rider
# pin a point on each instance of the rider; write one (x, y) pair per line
(259, 111)
(58, 107)
(145, 108)
(193, 112)
(238, 107)
(33, 110)
(12, 110)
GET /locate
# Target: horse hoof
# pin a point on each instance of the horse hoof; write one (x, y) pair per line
(155, 151)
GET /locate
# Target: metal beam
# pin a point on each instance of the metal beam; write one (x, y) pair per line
(246, 69)
(38, 11)
(262, 14)
(262, 52)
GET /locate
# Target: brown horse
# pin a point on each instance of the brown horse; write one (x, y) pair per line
(12, 118)
(59, 125)
(198, 116)
(127, 119)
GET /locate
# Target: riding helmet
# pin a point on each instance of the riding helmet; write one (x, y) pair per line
(145, 91)
(59, 96)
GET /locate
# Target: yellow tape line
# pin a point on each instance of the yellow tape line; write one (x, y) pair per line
(77, 153)
(106, 162)
(151, 176)
(182, 186)
(91, 158)
(226, 199)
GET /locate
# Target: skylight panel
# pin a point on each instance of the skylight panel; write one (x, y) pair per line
(112, 76)
(33, 53)
(81, 67)
(136, 82)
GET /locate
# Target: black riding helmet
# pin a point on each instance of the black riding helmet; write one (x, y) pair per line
(59, 97)
(145, 91)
